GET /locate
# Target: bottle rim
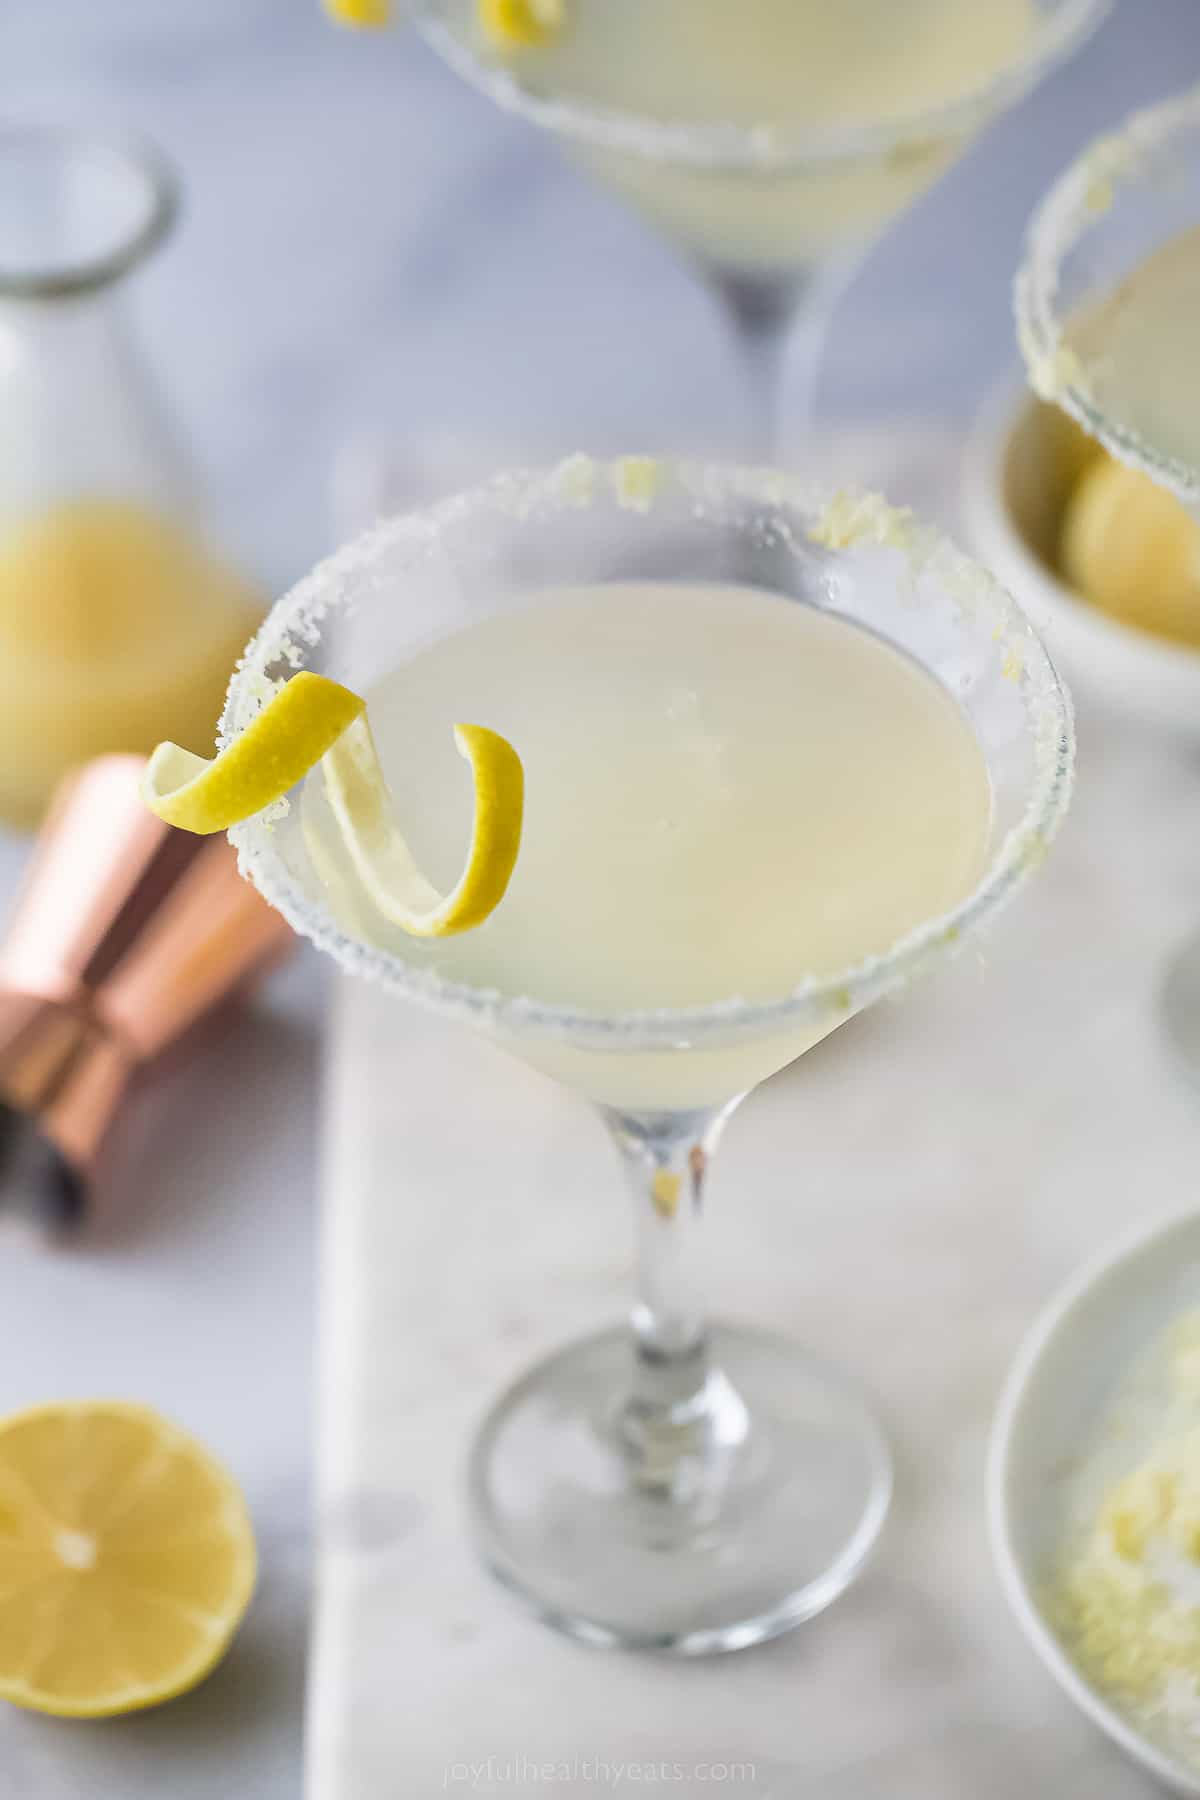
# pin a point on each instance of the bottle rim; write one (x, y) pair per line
(78, 211)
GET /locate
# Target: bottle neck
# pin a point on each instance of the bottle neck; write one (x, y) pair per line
(81, 415)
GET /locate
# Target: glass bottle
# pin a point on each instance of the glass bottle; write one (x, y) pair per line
(117, 625)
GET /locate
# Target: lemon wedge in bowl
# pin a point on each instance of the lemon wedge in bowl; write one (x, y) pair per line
(314, 720)
(1133, 550)
(127, 1559)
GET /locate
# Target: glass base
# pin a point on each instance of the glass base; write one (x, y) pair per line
(706, 1543)
(1181, 1004)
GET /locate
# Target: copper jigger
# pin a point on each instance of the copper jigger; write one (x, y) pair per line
(124, 934)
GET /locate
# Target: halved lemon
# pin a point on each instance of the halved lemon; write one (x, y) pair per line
(311, 720)
(127, 1559)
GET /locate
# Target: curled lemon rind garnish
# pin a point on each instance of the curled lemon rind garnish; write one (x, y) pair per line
(521, 24)
(276, 750)
(360, 802)
(314, 720)
(360, 15)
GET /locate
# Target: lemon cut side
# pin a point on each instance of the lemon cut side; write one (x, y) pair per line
(127, 1559)
(311, 720)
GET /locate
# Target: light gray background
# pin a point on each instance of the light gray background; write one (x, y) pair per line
(370, 249)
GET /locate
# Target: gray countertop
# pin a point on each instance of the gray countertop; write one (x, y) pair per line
(370, 250)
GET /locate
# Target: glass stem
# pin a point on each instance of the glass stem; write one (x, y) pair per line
(778, 317)
(679, 1408)
(762, 311)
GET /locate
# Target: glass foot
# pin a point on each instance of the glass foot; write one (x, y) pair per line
(1181, 1004)
(718, 1540)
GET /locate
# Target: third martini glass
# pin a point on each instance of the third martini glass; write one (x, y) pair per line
(1108, 311)
(748, 815)
(770, 140)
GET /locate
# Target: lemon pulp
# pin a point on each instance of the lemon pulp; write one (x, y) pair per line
(127, 1559)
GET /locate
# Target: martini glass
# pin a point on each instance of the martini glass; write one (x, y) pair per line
(770, 140)
(1108, 315)
(675, 1484)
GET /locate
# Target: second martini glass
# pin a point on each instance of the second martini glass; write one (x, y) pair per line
(1108, 313)
(770, 140)
(679, 1484)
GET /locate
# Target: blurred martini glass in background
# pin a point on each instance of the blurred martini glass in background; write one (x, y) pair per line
(748, 814)
(1108, 314)
(770, 140)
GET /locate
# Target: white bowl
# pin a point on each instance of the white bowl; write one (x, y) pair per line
(1015, 487)
(1052, 1413)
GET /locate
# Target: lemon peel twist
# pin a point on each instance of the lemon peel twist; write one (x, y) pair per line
(314, 720)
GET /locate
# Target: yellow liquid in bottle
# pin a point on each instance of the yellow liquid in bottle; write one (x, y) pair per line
(117, 628)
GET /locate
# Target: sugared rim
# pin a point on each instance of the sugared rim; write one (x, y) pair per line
(1063, 217)
(726, 145)
(157, 211)
(294, 626)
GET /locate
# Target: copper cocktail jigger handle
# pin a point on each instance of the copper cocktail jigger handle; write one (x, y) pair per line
(124, 934)
(99, 858)
(211, 933)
